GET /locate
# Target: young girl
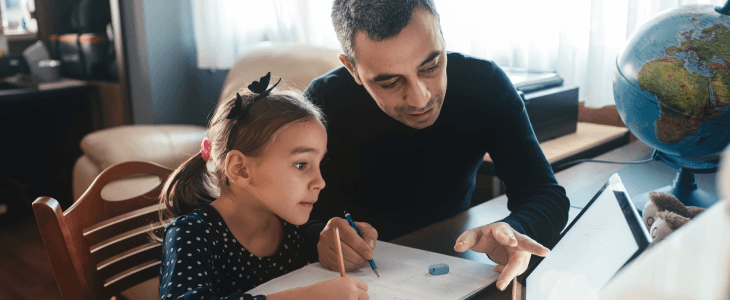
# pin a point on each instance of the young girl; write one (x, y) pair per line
(239, 203)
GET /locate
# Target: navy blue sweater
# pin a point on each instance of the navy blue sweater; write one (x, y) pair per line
(400, 179)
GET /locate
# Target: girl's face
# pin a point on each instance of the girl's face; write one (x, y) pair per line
(287, 178)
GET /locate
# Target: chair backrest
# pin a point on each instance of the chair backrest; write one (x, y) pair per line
(99, 247)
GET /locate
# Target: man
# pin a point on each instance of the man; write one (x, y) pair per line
(407, 133)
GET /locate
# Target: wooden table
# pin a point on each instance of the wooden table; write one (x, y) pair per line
(581, 182)
(589, 140)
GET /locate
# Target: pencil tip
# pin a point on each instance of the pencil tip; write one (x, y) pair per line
(376, 272)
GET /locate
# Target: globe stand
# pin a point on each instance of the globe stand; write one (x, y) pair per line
(725, 10)
(684, 186)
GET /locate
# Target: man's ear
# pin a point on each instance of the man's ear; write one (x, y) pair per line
(236, 167)
(350, 67)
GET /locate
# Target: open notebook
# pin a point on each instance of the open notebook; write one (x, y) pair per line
(403, 275)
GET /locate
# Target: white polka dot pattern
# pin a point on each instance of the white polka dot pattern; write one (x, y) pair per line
(202, 260)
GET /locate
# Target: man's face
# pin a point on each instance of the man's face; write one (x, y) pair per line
(406, 74)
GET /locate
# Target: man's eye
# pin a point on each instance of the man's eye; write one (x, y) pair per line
(299, 165)
(390, 85)
(433, 69)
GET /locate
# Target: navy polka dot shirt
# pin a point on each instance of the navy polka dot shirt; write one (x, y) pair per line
(202, 260)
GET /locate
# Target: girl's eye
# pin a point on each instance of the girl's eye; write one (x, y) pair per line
(299, 165)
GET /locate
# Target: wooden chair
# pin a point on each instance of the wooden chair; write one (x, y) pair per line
(98, 247)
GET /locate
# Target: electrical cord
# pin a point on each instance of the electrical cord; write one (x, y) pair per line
(570, 163)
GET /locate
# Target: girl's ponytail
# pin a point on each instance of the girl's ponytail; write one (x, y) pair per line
(186, 188)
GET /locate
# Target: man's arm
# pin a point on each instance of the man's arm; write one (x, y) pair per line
(538, 204)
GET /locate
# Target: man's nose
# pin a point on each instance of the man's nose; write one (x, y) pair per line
(418, 95)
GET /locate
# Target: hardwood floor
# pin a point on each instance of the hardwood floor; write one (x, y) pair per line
(25, 270)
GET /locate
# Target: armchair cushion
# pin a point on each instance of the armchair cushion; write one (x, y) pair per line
(168, 145)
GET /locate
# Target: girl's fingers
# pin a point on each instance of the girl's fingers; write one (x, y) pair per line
(360, 284)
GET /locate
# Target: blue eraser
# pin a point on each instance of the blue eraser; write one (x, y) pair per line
(438, 269)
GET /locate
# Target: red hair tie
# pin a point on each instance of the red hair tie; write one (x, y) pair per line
(205, 149)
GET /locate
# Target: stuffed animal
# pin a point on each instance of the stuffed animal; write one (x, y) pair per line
(664, 213)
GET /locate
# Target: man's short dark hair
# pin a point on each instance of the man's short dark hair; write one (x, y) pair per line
(379, 19)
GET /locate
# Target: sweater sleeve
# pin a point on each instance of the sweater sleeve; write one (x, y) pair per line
(538, 204)
(186, 260)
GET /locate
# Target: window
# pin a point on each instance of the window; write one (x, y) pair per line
(579, 39)
(18, 17)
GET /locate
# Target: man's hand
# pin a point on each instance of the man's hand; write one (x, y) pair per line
(505, 246)
(356, 250)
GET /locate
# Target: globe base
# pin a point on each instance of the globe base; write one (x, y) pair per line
(684, 188)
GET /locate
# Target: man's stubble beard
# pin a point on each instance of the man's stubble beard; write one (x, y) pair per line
(435, 104)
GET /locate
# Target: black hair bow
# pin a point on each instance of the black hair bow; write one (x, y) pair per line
(258, 87)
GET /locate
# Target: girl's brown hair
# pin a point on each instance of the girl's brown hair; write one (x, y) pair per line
(197, 181)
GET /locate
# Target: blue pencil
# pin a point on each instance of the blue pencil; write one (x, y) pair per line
(352, 223)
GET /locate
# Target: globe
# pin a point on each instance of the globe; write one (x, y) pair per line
(672, 89)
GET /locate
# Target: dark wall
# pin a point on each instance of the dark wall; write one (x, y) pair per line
(166, 85)
(137, 61)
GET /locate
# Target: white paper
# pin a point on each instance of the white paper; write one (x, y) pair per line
(403, 275)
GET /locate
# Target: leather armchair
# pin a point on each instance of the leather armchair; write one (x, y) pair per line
(168, 145)
(297, 65)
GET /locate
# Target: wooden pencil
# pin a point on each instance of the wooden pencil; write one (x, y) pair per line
(340, 260)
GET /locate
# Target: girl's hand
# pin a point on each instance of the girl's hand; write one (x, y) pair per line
(340, 288)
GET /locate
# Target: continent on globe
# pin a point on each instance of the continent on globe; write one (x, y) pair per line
(688, 99)
(718, 44)
(672, 83)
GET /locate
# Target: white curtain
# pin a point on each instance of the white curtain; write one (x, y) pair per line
(579, 39)
(225, 29)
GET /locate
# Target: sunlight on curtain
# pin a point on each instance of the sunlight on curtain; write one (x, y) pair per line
(226, 29)
(579, 39)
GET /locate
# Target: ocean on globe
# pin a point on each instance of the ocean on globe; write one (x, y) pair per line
(672, 83)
